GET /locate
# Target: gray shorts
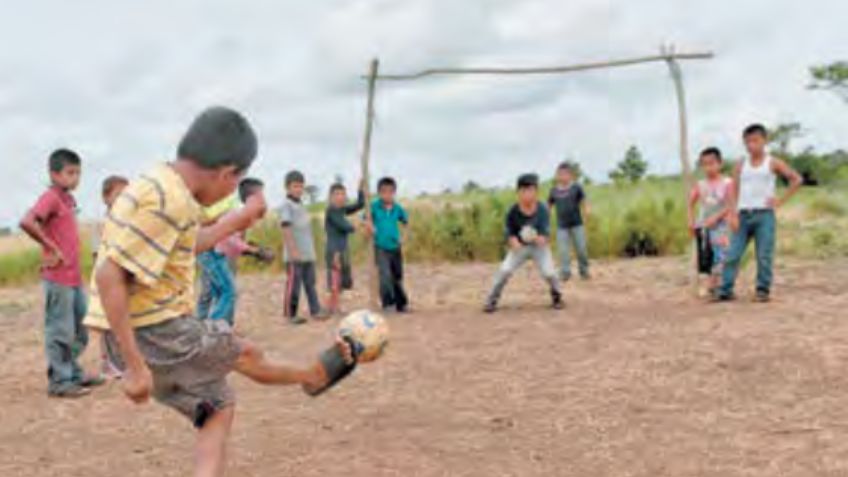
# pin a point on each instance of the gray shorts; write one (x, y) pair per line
(189, 359)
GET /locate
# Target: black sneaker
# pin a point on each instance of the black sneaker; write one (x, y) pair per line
(558, 303)
(762, 296)
(69, 392)
(490, 307)
(297, 320)
(722, 297)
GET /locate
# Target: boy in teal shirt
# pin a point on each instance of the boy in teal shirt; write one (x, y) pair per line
(386, 217)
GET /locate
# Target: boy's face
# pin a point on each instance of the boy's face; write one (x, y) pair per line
(113, 194)
(564, 176)
(711, 165)
(338, 197)
(387, 194)
(295, 189)
(68, 178)
(755, 143)
(218, 184)
(528, 195)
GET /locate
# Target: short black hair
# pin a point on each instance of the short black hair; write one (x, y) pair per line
(712, 151)
(111, 182)
(755, 128)
(295, 176)
(565, 166)
(386, 182)
(527, 180)
(249, 186)
(337, 186)
(60, 158)
(219, 137)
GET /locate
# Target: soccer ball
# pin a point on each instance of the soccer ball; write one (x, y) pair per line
(368, 331)
(528, 234)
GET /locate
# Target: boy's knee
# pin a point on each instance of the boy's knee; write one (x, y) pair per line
(250, 353)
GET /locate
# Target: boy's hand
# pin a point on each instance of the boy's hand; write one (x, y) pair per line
(733, 221)
(138, 384)
(513, 243)
(774, 203)
(53, 258)
(255, 207)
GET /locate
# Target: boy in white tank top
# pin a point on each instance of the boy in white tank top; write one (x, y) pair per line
(752, 212)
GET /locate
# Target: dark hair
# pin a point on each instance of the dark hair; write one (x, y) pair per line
(61, 158)
(249, 186)
(756, 128)
(111, 182)
(712, 151)
(337, 186)
(294, 177)
(527, 180)
(386, 182)
(565, 166)
(219, 137)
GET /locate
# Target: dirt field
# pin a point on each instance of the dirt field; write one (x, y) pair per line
(634, 378)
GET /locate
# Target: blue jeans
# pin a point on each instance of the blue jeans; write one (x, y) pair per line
(759, 225)
(65, 337)
(566, 239)
(217, 299)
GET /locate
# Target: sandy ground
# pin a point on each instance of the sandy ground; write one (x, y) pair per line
(634, 378)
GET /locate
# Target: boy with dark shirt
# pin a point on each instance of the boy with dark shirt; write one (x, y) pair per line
(52, 223)
(337, 255)
(569, 200)
(527, 231)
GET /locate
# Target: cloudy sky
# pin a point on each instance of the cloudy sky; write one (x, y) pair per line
(120, 81)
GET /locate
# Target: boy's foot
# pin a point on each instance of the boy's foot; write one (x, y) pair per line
(722, 297)
(762, 296)
(403, 310)
(490, 307)
(69, 392)
(92, 381)
(297, 320)
(585, 276)
(558, 303)
(564, 277)
(321, 315)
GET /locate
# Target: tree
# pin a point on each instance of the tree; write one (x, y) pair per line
(470, 187)
(782, 135)
(311, 191)
(632, 168)
(832, 77)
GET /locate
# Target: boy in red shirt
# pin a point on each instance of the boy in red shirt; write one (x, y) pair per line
(52, 223)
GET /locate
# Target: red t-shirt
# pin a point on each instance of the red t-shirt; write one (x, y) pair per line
(56, 211)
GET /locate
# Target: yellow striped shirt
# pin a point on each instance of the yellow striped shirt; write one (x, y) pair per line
(151, 232)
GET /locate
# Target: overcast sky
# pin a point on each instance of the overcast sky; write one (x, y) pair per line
(120, 81)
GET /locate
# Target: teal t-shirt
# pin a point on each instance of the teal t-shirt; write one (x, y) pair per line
(386, 228)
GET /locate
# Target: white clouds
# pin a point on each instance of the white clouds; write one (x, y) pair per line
(120, 82)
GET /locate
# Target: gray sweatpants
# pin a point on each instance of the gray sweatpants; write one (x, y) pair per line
(541, 256)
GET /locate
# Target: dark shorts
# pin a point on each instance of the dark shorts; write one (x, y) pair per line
(190, 360)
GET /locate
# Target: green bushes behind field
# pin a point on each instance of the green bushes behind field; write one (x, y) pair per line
(470, 226)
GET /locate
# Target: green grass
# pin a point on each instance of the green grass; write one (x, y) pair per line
(469, 227)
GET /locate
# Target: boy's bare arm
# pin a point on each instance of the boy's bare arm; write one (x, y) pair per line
(209, 236)
(32, 227)
(790, 174)
(113, 287)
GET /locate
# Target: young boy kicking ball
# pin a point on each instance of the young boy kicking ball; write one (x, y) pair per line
(528, 226)
(144, 277)
(712, 197)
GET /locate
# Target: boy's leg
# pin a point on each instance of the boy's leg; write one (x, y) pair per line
(292, 293)
(204, 298)
(346, 277)
(738, 244)
(764, 240)
(544, 259)
(564, 253)
(513, 260)
(401, 300)
(59, 338)
(578, 238)
(80, 332)
(384, 267)
(211, 447)
(309, 286)
(224, 289)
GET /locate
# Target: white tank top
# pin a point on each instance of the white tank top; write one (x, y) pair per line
(756, 185)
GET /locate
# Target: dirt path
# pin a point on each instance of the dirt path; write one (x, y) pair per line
(634, 378)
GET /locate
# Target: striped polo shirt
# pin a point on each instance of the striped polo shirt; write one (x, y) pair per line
(151, 231)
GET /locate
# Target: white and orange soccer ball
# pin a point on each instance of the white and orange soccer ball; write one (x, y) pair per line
(369, 332)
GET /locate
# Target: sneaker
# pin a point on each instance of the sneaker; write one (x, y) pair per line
(558, 303)
(69, 392)
(322, 315)
(762, 296)
(490, 307)
(297, 320)
(719, 297)
(564, 277)
(403, 310)
(92, 381)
